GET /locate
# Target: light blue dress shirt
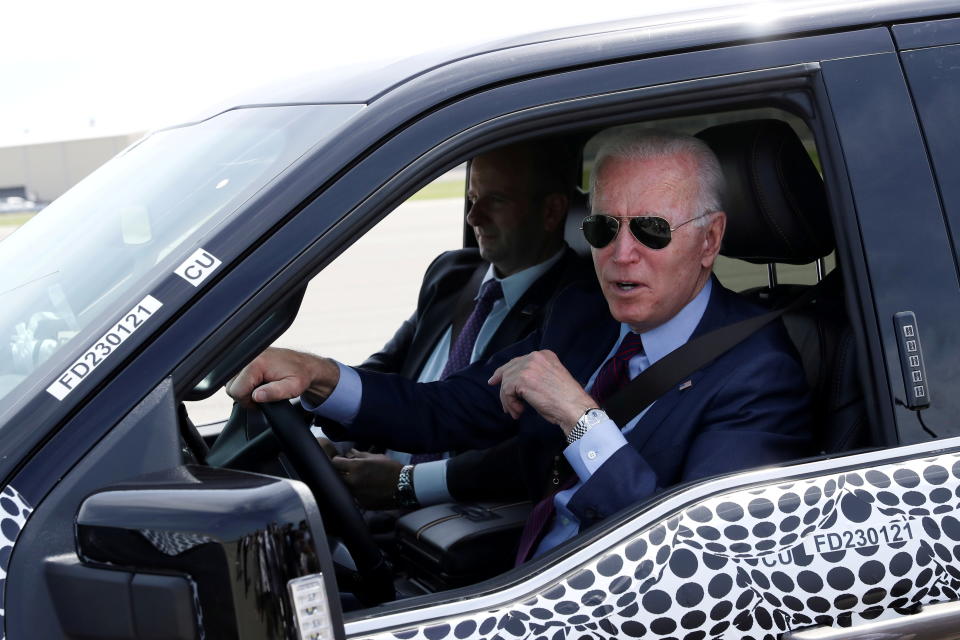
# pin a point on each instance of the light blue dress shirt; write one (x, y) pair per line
(430, 478)
(602, 441)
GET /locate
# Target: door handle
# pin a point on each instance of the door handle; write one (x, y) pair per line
(932, 622)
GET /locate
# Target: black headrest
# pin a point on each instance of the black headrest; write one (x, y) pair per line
(775, 202)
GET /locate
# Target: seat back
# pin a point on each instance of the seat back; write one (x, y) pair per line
(777, 212)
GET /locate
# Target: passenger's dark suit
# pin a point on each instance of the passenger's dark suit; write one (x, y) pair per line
(747, 408)
(451, 275)
(443, 284)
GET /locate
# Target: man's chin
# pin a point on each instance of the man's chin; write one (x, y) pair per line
(629, 314)
(488, 253)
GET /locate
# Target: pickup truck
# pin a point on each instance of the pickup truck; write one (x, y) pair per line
(157, 278)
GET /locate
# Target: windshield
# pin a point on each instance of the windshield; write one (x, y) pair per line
(94, 247)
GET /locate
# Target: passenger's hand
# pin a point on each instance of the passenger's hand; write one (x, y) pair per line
(371, 477)
(328, 447)
(540, 380)
(280, 374)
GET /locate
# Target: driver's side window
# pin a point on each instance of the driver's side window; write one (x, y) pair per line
(356, 303)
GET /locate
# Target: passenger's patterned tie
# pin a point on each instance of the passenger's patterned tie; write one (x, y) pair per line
(614, 373)
(462, 348)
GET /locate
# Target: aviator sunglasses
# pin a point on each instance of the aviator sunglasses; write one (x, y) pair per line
(650, 231)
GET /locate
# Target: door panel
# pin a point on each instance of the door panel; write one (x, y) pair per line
(934, 78)
(853, 544)
(907, 246)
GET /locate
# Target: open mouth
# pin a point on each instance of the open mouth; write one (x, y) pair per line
(624, 285)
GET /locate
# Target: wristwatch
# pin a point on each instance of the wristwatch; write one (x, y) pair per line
(590, 418)
(405, 495)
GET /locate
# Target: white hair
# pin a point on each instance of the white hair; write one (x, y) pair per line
(647, 144)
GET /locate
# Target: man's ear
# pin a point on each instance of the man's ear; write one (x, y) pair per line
(555, 207)
(712, 238)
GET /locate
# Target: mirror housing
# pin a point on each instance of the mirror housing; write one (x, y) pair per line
(247, 544)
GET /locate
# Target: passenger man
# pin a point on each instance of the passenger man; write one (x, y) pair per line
(655, 230)
(474, 302)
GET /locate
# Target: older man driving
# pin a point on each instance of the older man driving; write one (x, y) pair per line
(655, 231)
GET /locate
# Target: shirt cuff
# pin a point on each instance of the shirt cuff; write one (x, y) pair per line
(343, 404)
(430, 483)
(590, 451)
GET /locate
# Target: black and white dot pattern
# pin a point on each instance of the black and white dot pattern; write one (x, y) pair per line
(750, 564)
(14, 512)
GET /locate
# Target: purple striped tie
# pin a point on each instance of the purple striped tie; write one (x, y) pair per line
(462, 348)
(614, 373)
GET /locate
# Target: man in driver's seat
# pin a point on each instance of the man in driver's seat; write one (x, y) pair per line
(655, 229)
(472, 303)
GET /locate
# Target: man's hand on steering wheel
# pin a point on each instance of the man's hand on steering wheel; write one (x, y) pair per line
(281, 374)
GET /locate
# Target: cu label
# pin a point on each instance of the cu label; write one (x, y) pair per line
(102, 348)
(197, 267)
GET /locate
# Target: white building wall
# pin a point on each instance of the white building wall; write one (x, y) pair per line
(49, 169)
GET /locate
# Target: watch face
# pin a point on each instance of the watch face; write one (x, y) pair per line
(593, 417)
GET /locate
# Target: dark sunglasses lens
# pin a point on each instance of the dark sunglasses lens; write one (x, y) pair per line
(600, 230)
(651, 231)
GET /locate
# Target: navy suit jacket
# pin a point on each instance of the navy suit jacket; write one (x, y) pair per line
(446, 280)
(748, 407)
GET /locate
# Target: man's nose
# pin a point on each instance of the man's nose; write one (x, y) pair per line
(624, 247)
(474, 214)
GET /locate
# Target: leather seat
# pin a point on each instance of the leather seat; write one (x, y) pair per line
(777, 212)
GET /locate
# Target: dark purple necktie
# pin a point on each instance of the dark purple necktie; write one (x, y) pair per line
(614, 373)
(462, 348)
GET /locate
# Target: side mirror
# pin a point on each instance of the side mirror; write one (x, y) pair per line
(200, 552)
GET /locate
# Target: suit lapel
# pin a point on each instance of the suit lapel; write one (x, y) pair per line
(653, 420)
(585, 343)
(714, 317)
(436, 318)
(466, 301)
(525, 316)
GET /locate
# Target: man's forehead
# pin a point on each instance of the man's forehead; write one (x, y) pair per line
(640, 183)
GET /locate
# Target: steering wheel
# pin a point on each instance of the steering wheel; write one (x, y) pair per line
(372, 582)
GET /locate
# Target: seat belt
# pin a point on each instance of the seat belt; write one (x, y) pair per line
(670, 370)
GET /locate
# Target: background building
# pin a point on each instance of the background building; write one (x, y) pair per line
(44, 170)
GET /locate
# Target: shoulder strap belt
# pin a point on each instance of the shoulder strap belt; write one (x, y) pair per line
(670, 370)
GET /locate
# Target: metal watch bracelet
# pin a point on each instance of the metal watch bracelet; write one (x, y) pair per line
(590, 418)
(405, 495)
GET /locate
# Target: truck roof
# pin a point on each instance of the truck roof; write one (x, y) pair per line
(451, 70)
